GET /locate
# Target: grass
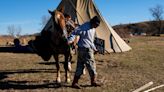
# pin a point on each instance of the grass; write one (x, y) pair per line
(120, 72)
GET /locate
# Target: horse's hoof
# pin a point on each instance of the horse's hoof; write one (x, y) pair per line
(58, 80)
(84, 71)
(68, 80)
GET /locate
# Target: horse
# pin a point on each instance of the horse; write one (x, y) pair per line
(51, 42)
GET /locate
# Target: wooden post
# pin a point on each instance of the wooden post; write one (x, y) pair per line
(143, 87)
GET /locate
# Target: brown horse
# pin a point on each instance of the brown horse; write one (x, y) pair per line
(51, 41)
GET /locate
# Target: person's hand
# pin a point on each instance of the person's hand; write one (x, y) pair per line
(69, 42)
(96, 52)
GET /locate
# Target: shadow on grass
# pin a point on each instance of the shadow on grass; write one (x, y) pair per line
(22, 85)
(53, 63)
(18, 71)
(47, 63)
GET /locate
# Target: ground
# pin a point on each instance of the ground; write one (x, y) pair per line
(120, 72)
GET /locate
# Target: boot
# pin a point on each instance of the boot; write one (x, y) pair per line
(75, 83)
(94, 83)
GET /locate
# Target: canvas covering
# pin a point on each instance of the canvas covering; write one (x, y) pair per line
(82, 11)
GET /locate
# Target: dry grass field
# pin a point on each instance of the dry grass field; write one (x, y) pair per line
(120, 72)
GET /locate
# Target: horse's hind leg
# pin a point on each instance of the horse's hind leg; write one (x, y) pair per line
(69, 62)
(58, 80)
(67, 76)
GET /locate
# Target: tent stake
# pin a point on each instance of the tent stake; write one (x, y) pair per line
(154, 88)
(143, 87)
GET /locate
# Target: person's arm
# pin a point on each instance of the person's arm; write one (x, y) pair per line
(71, 39)
(73, 35)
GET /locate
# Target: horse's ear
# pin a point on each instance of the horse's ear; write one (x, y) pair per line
(51, 12)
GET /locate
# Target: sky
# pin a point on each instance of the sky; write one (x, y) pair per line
(28, 14)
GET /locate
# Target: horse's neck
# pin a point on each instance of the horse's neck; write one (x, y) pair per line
(60, 19)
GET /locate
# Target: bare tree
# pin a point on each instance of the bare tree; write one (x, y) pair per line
(18, 31)
(11, 30)
(157, 13)
(14, 31)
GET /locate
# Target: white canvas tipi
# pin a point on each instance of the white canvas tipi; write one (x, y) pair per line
(82, 11)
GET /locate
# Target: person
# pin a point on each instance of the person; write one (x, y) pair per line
(71, 26)
(86, 50)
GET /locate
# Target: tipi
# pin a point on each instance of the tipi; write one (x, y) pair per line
(82, 11)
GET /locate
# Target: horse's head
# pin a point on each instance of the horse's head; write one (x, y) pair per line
(58, 19)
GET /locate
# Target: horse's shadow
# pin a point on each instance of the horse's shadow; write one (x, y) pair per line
(6, 84)
(22, 85)
(53, 63)
(49, 63)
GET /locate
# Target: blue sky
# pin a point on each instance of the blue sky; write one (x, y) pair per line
(28, 13)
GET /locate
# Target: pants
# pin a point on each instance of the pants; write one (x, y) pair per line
(85, 58)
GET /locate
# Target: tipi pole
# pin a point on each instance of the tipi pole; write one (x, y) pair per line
(76, 10)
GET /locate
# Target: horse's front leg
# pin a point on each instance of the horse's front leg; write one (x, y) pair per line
(58, 80)
(67, 75)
